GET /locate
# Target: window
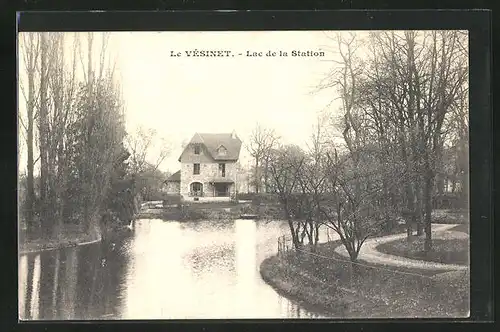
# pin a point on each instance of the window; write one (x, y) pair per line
(197, 149)
(222, 150)
(196, 169)
(222, 170)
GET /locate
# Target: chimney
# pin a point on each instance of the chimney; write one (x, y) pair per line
(233, 135)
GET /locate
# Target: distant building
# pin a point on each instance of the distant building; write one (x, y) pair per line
(173, 184)
(208, 168)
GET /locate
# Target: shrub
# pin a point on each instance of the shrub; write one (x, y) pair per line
(248, 209)
(265, 198)
(171, 199)
(245, 196)
(188, 213)
(450, 216)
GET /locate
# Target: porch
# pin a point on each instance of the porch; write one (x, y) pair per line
(221, 187)
(213, 190)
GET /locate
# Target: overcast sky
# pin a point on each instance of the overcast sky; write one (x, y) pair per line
(179, 96)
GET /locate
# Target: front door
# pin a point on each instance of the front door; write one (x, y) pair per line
(196, 189)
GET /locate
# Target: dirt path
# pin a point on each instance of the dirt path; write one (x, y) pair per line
(369, 252)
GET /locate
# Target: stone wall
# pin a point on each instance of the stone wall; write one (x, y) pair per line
(208, 172)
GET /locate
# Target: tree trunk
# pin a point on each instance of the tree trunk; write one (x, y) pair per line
(428, 205)
(464, 176)
(31, 224)
(316, 234)
(410, 198)
(257, 180)
(310, 233)
(419, 211)
(61, 190)
(354, 267)
(465, 189)
(439, 167)
(389, 223)
(43, 133)
(266, 175)
(295, 235)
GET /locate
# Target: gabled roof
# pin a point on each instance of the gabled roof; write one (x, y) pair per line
(212, 142)
(176, 177)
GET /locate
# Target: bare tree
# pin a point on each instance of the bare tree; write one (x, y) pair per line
(62, 93)
(43, 127)
(29, 50)
(285, 168)
(147, 153)
(354, 213)
(260, 144)
(142, 145)
(400, 97)
(448, 74)
(80, 129)
(312, 183)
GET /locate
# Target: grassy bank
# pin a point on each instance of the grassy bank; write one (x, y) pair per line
(166, 214)
(69, 236)
(212, 211)
(446, 251)
(312, 292)
(450, 216)
(188, 213)
(325, 280)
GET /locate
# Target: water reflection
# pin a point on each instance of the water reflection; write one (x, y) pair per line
(163, 269)
(35, 300)
(156, 272)
(74, 283)
(22, 289)
(245, 231)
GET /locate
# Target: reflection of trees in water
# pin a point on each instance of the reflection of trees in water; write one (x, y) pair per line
(100, 281)
(75, 283)
(48, 278)
(30, 275)
(296, 311)
(215, 227)
(87, 282)
(35, 300)
(55, 287)
(23, 286)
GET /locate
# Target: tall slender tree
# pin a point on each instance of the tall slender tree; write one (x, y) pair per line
(29, 50)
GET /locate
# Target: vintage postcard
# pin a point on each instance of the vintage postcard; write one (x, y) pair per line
(243, 174)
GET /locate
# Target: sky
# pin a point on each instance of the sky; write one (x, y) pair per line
(180, 95)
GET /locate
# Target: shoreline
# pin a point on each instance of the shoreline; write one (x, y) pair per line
(296, 294)
(62, 245)
(337, 299)
(315, 295)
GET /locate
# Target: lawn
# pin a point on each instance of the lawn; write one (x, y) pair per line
(370, 290)
(450, 216)
(446, 251)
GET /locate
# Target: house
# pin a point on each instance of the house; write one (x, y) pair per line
(208, 168)
(173, 184)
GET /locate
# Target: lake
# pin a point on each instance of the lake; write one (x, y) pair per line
(160, 270)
